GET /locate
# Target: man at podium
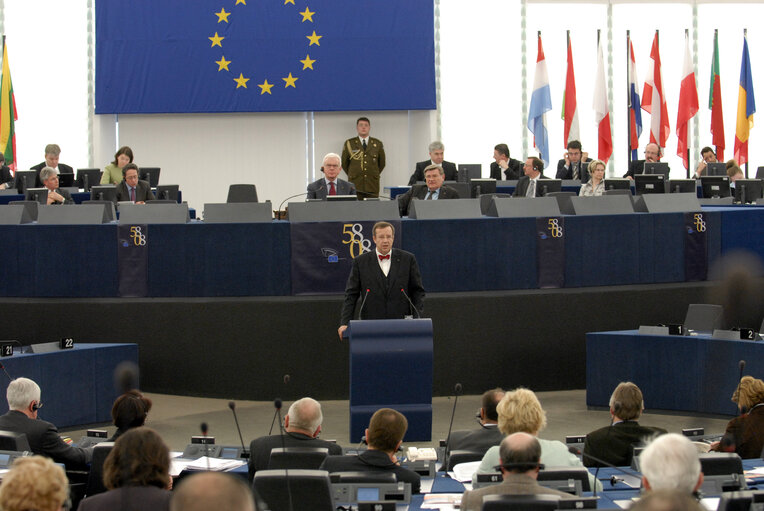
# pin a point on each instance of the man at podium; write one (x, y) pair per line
(387, 282)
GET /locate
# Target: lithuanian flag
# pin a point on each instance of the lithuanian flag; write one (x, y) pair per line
(7, 113)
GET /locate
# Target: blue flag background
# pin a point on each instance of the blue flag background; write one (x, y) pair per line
(288, 55)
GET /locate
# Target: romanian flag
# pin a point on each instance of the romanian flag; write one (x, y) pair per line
(7, 113)
(746, 107)
(569, 103)
(715, 103)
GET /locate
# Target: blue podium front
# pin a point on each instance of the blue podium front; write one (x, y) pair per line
(391, 367)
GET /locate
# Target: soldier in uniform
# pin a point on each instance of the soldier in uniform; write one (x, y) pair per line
(363, 158)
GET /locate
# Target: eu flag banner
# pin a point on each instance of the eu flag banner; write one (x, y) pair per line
(176, 56)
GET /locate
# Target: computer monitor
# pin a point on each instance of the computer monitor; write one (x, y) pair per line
(716, 169)
(618, 184)
(715, 186)
(683, 186)
(169, 192)
(649, 183)
(87, 178)
(760, 173)
(546, 186)
(37, 194)
(747, 191)
(747, 500)
(656, 167)
(520, 502)
(65, 180)
(341, 198)
(479, 187)
(469, 171)
(569, 479)
(25, 179)
(150, 174)
(103, 192)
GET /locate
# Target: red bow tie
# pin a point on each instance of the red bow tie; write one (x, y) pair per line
(383, 257)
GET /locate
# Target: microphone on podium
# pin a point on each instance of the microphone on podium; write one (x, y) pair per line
(363, 302)
(416, 311)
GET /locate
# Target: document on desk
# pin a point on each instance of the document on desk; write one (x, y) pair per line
(463, 471)
(442, 501)
(203, 463)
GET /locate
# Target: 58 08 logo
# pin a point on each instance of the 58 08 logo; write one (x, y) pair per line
(355, 238)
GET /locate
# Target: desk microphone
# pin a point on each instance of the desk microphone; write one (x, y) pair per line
(244, 453)
(613, 479)
(363, 302)
(6, 372)
(203, 426)
(743, 409)
(287, 378)
(418, 316)
(297, 195)
(457, 392)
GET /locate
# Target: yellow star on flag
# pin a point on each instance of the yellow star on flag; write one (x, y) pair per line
(313, 39)
(265, 87)
(307, 15)
(288, 2)
(241, 81)
(307, 63)
(216, 40)
(290, 81)
(223, 63)
(241, 2)
(222, 15)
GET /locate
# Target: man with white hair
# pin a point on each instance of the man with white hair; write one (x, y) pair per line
(23, 403)
(330, 184)
(302, 426)
(671, 462)
(436, 150)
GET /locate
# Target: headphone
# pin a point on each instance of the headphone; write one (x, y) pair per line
(520, 466)
(35, 406)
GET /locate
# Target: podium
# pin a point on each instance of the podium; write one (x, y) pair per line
(391, 367)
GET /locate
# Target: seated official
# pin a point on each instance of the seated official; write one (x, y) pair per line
(707, 155)
(131, 188)
(302, 426)
(112, 173)
(528, 185)
(436, 158)
(384, 436)
(136, 470)
(520, 455)
(213, 490)
(671, 462)
(502, 164)
(734, 172)
(34, 483)
(6, 178)
(595, 185)
(129, 411)
(614, 444)
(488, 434)
(330, 184)
(745, 433)
(652, 155)
(56, 195)
(570, 166)
(434, 189)
(52, 153)
(23, 403)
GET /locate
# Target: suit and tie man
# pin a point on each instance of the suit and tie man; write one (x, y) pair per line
(528, 185)
(131, 188)
(363, 158)
(503, 164)
(488, 434)
(49, 179)
(436, 158)
(386, 279)
(652, 155)
(52, 153)
(570, 166)
(330, 184)
(433, 189)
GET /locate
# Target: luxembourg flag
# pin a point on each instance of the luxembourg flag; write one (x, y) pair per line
(602, 111)
(541, 102)
(635, 111)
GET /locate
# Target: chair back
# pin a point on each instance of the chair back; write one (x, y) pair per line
(242, 193)
(95, 477)
(309, 458)
(306, 490)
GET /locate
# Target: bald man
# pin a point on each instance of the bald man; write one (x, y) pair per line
(212, 490)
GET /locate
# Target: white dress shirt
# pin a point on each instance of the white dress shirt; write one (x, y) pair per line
(384, 264)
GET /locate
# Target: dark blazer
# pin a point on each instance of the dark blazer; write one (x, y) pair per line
(635, 167)
(478, 440)
(384, 299)
(66, 195)
(130, 498)
(746, 433)
(567, 173)
(614, 443)
(44, 439)
(319, 189)
(5, 176)
(142, 192)
(513, 172)
(449, 170)
(522, 186)
(420, 192)
(260, 448)
(62, 169)
(372, 461)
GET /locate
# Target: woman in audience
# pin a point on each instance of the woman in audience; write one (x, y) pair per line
(734, 172)
(745, 433)
(596, 184)
(520, 411)
(112, 173)
(34, 483)
(129, 411)
(137, 474)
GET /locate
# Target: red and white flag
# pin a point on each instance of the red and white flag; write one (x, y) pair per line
(569, 104)
(688, 105)
(654, 100)
(602, 110)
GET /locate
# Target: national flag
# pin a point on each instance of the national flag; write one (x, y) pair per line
(746, 107)
(569, 104)
(715, 103)
(635, 111)
(602, 110)
(8, 115)
(654, 99)
(688, 105)
(541, 102)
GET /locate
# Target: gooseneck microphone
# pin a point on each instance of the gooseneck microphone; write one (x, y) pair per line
(297, 195)
(446, 454)
(203, 426)
(363, 302)
(613, 479)
(6, 372)
(743, 409)
(244, 452)
(287, 378)
(416, 311)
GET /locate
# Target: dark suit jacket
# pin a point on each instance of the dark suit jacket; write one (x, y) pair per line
(5, 176)
(514, 484)
(142, 192)
(319, 190)
(66, 195)
(513, 172)
(384, 299)
(746, 433)
(563, 173)
(44, 439)
(614, 443)
(478, 440)
(449, 170)
(372, 461)
(132, 498)
(522, 186)
(420, 192)
(62, 168)
(260, 448)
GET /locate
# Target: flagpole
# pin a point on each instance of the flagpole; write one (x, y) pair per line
(628, 94)
(686, 36)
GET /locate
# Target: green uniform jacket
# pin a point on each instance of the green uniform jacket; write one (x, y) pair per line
(364, 167)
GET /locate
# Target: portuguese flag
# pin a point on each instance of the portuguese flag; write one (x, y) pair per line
(715, 102)
(7, 113)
